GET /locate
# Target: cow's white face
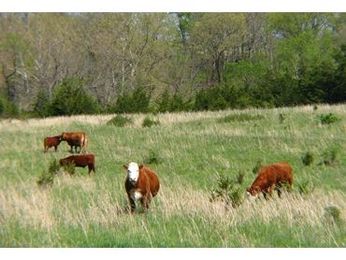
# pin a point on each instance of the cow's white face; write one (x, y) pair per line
(133, 172)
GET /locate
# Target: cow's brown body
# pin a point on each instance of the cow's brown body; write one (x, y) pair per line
(51, 141)
(272, 177)
(144, 189)
(75, 140)
(81, 160)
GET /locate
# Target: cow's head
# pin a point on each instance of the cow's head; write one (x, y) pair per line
(133, 171)
(252, 191)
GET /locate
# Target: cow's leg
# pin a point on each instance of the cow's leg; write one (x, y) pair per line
(279, 191)
(55, 148)
(91, 167)
(132, 204)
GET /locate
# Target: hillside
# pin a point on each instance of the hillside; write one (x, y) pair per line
(188, 151)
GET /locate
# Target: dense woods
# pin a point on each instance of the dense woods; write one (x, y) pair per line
(72, 63)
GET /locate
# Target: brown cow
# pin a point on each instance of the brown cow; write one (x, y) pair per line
(141, 184)
(271, 177)
(80, 160)
(51, 141)
(75, 139)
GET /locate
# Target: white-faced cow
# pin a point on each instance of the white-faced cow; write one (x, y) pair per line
(141, 184)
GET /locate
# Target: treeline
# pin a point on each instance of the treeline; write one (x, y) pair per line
(72, 63)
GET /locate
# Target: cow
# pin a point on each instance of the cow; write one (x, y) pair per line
(51, 141)
(271, 177)
(141, 184)
(75, 139)
(81, 160)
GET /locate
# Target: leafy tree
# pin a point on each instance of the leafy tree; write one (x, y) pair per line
(70, 98)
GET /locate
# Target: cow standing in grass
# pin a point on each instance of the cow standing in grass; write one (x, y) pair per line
(141, 184)
(81, 160)
(51, 141)
(271, 177)
(74, 140)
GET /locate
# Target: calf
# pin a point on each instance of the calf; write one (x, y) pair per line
(51, 141)
(141, 184)
(74, 140)
(82, 160)
(271, 177)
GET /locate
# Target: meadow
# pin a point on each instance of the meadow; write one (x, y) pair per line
(188, 151)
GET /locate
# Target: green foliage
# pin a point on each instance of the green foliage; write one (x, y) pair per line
(307, 158)
(7, 108)
(329, 156)
(149, 122)
(171, 103)
(282, 118)
(135, 102)
(327, 119)
(42, 104)
(46, 179)
(333, 214)
(119, 121)
(228, 190)
(70, 98)
(70, 168)
(153, 158)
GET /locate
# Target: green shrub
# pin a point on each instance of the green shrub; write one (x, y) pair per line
(327, 119)
(152, 158)
(135, 102)
(47, 177)
(228, 191)
(119, 121)
(70, 168)
(70, 98)
(148, 122)
(8, 108)
(42, 104)
(329, 157)
(240, 118)
(333, 214)
(307, 158)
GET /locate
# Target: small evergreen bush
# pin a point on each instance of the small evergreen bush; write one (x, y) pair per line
(228, 191)
(327, 119)
(47, 177)
(152, 158)
(307, 158)
(329, 156)
(148, 122)
(119, 121)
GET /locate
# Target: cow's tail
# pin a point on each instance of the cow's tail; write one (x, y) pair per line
(84, 143)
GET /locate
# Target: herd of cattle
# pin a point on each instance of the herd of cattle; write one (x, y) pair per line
(142, 184)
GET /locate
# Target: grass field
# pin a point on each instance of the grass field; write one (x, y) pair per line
(190, 151)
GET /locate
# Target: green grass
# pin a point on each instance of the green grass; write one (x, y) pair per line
(188, 151)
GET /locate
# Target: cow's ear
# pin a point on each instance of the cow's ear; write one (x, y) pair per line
(125, 166)
(141, 166)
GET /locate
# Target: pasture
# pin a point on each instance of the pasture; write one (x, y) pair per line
(188, 151)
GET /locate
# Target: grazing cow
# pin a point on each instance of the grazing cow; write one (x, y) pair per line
(80, 160)
(271, 177)
(141, 184)
(51, 141)
(75, 139)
